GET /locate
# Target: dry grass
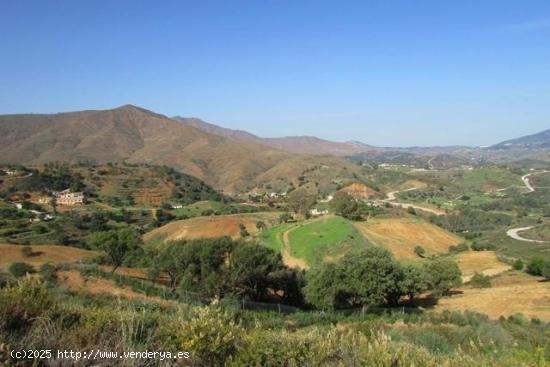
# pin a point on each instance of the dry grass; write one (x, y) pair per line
(511, 293)
(485, 262)
(359, 191)
(210, 227)
(42, 254)
(402, 235)
(97, 286)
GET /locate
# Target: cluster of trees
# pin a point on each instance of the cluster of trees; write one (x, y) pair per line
(472, 220)
(120, 245)
(210, 269)
(539, 267)
(372, 277)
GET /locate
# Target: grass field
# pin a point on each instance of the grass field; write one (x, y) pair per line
(42, 254)
(402, 235)
(511, 293)
(324, 239)
(210, 227)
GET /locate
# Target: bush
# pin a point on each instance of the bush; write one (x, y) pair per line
(419, 251)
(546, 270)
(20, 269)
(48, 272)
(22, 303)
(459, 248)
(535, 267)
(476, 246)
(26, 251)
(480, 281)
(211, 337)
(518, 265)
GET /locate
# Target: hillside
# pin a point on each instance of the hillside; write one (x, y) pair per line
(294, 144)
(136, 135)
(535, 141)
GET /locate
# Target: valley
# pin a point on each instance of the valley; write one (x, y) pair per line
(188, 214)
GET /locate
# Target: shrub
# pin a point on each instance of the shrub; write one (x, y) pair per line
(518, 265)
(419, 251)
(535, 267)
(26, 251)
(20, 269)
(546, 270)
(480, 281)
(211, 337)
(48, 272)
(23, 302)
(459, 248)
(476, 246)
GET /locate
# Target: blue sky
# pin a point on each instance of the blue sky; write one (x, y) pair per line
(387, 73)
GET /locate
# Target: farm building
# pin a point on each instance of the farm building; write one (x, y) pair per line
(66, 197)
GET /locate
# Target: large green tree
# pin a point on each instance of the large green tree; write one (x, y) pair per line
(118, 244)
(345, 205)
(444, 275)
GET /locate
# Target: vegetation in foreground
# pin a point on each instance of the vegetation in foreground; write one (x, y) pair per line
(38, 315)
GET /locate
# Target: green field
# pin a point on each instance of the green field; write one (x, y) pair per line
(209, 207)
(273, 237)
(316, 240)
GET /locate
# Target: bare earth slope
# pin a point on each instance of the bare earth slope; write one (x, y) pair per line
(293, 144)
(137, 135)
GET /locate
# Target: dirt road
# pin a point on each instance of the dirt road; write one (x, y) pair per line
(391, 197)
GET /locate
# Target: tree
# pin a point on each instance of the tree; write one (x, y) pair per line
(117, 244)
(518, 265)
(26, 251)
(250, 269)
(415, 280)
(243, 231)
(325, 286)
(300, 201)
(420, 251)
(260, 225)
(444, 275)
(285, 217)
(20, 269)
(535, 266)
(345, 205)
(362, 278)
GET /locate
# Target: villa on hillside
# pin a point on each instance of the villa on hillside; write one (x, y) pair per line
(66, 197)
(316, 212)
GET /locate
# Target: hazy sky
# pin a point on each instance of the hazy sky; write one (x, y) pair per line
(384, 72)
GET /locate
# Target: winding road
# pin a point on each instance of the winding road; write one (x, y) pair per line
(391, 197)
(514, 232)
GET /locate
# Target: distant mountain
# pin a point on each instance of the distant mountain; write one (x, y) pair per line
(133, 134)
(293, 144)
(536, 141)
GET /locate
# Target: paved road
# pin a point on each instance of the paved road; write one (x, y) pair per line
(527, 183)
(514, 233)
(391, 197)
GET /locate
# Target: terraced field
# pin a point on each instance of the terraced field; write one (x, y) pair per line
(484, 262)
(511, 293)
(402, 235)
(210, 227)
(42, 254)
